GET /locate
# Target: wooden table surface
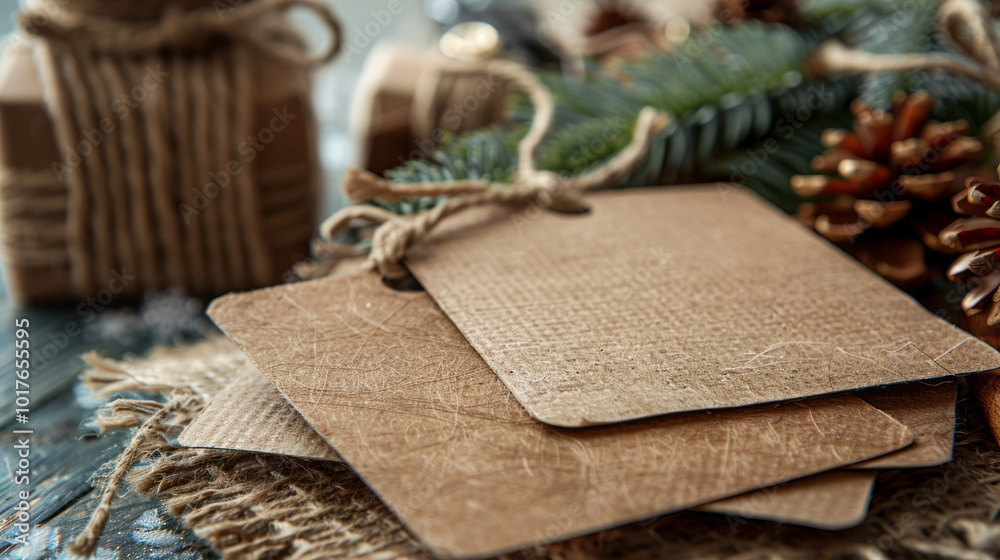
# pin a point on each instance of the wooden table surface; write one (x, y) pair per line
(65, 451)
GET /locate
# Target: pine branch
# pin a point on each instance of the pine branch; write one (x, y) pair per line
(959, 99)
(833, 17)
(489, 154)
(767, 166)
(823, 10)
(724, 89)
(911, 28)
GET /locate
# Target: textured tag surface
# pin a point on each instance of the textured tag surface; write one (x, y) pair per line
(386, 378)
(676, 299)
(230, 421)
(928, 410)
(831, 501)
(251, 415)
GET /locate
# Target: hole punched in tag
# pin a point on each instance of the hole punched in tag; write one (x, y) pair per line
(408, 283)
(396, 235)
(570, 203)
(569, 207)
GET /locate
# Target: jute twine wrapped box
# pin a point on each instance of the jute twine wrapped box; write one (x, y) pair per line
(155, 144)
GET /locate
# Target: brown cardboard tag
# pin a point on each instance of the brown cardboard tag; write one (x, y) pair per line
(668, 300)
(233, 420)
(389, 381)
(839, 499)
(928, 410)
(832, 501)
(251, 415)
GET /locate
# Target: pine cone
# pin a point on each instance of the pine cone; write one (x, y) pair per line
(884, 176)
(979, 235)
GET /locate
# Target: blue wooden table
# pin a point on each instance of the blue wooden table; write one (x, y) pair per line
(65, 451)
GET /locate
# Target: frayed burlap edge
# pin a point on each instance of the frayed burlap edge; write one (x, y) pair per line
(246, 505)
(253, 505)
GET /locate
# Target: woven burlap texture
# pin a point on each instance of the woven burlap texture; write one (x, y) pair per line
(252, 505)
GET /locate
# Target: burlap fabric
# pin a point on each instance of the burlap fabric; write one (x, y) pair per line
(252, 505)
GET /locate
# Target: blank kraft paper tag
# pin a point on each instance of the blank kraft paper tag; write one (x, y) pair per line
(834, 500)
(252, 415)
(403, 398)
(675, 299)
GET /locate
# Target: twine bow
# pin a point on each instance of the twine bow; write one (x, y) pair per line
(180, 28)
(965, 24)
(397, 234)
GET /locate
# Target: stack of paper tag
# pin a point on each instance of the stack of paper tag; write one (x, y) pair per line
(563, 374)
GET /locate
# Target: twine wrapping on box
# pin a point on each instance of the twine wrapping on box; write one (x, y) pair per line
(117, 203)
(397, 234)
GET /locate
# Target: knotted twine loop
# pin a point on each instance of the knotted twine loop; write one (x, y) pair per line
(181, 29)
(153, 428)
(397, 234)
(969, 27)
(965, 24)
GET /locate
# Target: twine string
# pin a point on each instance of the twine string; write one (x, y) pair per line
(969, 27)
(153, 427)
(184, 119)
(397, 234)
(965, 24)
(181, 28)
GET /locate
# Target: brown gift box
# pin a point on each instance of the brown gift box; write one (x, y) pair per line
(284, 175)
(407, 102)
